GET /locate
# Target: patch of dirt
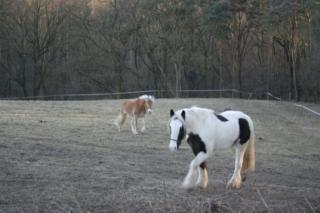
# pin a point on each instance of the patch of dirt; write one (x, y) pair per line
(67, 156)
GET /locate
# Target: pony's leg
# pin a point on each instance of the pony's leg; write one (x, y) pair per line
(189, 180)
(119, 121)
(235, 181)
(134, 125)
(203, 175)
(143, 128)
(123, 119)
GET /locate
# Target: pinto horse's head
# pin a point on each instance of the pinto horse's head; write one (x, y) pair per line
(177, 129)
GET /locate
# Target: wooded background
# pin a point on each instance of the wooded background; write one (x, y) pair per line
(96, 46)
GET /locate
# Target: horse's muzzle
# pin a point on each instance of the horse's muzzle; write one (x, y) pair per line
(173, 147)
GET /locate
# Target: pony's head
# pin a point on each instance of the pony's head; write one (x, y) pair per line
(149, 101)
(177, 129)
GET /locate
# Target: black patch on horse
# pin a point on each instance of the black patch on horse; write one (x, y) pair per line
(171, 113)
(183, 114)
(244, 128)
(203, 165)
(182, 134)
(220, 117)
(196, 144)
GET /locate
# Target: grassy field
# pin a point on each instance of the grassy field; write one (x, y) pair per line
(66, 156)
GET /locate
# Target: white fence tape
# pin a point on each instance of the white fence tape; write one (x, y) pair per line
(269, 94)
(308, 109)
(297, 105)
(120, 93)
(272, 96)
(78, 95)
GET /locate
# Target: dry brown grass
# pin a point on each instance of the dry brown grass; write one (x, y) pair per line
(68, 157)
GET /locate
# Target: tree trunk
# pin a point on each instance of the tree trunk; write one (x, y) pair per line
(220, 68)
(119, 83)
(293, 58)
(178, 80)
(236, 77)
(294, 88)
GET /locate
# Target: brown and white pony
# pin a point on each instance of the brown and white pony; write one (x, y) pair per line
(135, 108)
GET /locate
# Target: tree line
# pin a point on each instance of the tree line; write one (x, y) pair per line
(95, 46)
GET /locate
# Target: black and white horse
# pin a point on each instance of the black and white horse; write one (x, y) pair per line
(207, 131)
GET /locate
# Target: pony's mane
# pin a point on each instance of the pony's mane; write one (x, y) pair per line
(147, 97)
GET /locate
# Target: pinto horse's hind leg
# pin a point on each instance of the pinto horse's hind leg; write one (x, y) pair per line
(235, 181)
(190, 179)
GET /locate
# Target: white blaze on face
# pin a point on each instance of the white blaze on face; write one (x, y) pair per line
(175, 126)
(173, 145)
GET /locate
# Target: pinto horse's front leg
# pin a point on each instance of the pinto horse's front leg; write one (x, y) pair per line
(194, 174)
(203, 175)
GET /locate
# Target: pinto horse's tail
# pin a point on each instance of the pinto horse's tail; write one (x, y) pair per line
(249, 159)
(121, 118)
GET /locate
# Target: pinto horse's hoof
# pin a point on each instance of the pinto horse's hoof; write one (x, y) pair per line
(202, 185)
(187, 185)
(234, 185)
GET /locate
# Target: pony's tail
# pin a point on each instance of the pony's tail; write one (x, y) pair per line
(121, 118)
(249, 159)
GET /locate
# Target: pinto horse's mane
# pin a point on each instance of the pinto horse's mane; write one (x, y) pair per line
(196, 113)
(200, 110)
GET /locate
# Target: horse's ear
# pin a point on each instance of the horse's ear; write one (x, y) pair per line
(183, 114)
(171, 113)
